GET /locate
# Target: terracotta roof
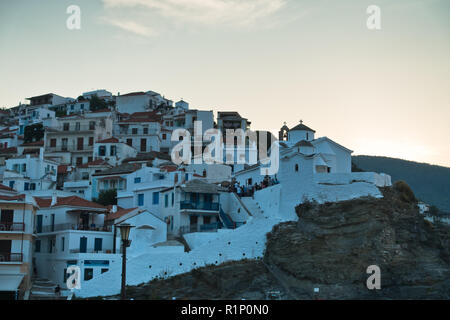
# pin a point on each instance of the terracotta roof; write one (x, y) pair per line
(97, 162)
(199, 186)
(8, 150)
(123, 168)
(62, 169)
(12, 198)
(3, 187)
(109, 140)
(169, 168)
(71, 201)
(119, 213)
(35, 143)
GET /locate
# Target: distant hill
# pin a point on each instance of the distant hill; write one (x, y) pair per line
(430, 183)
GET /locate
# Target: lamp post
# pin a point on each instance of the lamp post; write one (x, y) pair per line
(124, 235)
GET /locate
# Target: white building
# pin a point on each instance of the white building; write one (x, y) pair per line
(113, 151)
(72, 231)
(17, 235)
(28, 173)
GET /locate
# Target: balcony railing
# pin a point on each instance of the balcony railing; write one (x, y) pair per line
(10, 257)
(12, 226)
(74, 226)
(211, 206)
(74, 128)
(69, 148)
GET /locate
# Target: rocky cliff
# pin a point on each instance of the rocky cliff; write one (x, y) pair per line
(330, 247)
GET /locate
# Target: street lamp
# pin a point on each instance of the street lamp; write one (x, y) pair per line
(124, 234)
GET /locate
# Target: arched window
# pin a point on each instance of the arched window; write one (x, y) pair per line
(296, 167)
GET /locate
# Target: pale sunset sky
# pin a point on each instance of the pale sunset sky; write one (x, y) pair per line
(378, 92)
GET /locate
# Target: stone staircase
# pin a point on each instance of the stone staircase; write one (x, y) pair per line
(252, 206)
(44, 289)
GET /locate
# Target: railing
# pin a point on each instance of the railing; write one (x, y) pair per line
(12, 226)
(73, 147)
(109, 251)
(74, 226)
(10, 257)
(230, 224)
(211, 226)
(74, 128)
(211, 206)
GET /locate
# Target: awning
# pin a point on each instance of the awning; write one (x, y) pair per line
(10, 282)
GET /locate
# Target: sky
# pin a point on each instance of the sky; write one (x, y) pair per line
(379, 92)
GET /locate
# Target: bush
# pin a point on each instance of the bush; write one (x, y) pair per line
(406, 193)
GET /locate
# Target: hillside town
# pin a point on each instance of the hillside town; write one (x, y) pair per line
(73, 169)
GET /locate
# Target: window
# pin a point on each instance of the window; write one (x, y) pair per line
(52, 143)
(140, 199)
(296, 167)
(166, 200)
(186, 176)
(130, 142)
(173, 198)
(143, 145)
(113, 150)
(91, 141)
(91, 125)
(85, 175)
(89, 159)
(37, 246)
(63, 240)
(98, 242)
(88, 274)
(164, 136)
(79, 160)
(134, 131)
(26, 186)
(24, 167)
(145, 130)
(104, 270)
(11, 184)
(32, 186)
(137, 180)
(102, 151)
(77, 126)
(82, 106)
(155, 197)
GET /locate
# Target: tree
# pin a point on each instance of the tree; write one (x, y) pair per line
(107, 197)
(33, 133)
(95, 103)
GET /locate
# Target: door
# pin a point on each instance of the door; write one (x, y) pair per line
(5, 250)
(193, 223)
(143, 145)
(80, 144)
(6, 220)
(39, 223)
(53, 222)
(83, 245)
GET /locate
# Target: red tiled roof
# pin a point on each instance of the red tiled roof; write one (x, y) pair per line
(3, 187)
(11, 198)
(71, 201)
(62, 169)
(109, 140)
(97, 162)
(35, 143)
(119, 213)
(9, 150)
(169, 168)
(111, 178)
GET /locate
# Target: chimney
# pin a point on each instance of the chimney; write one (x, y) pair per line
(114, 208)
(54, 199)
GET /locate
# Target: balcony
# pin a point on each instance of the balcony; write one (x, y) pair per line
(74, 226)
(70, 148)
(73, 128)
(11, 257)
(207, 206)
(12, 226)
